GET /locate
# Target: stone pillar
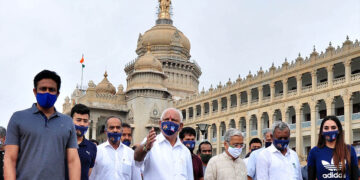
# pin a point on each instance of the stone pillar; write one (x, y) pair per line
(247, 132)
(348, 116)
(347, 64)
(272, 91)
(239, 100)
(228, 103)
(260, 90)
(284, 114)
(94, 127)
(298, 131)
(194, 113)
(249, 97)
(187, 114)
(330, 71)
(219, 104)
(210, 107)
(285, 87)
(330, 109)
(218, 139)
(259, 125)
(271, 119)
(313, 110)
(202, 108)
(314, 80)
(298, 84)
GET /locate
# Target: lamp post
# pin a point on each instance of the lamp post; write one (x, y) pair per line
(203, 128)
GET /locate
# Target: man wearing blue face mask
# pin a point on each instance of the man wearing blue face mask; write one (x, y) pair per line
(187, 136)
(87, 150)
(163, 156)
(114, 160)
(126, 136)
(228, 165)
(278, 161)
(40, 140)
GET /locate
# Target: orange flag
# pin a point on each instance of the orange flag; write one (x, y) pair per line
(82, 59)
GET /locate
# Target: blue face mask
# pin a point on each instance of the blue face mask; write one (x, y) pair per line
(114, 137)
(330, 135)
(190, 145)
(127, 142)
(82, 130)
(46, 100)
(281, 144)
(267, 144)
(169, 127)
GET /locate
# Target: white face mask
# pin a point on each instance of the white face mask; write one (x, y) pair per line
(234, 152)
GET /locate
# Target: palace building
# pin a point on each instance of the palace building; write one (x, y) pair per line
(300, 92)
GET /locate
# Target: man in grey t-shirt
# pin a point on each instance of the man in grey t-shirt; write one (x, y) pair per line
(40, 140)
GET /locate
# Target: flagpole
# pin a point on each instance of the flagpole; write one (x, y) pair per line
(82, 73)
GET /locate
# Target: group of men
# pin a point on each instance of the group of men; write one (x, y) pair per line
(42, 143)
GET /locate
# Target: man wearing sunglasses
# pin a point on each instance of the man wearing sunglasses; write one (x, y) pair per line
(228, 165)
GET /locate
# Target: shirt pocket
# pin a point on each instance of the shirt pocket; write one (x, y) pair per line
(126, 169)
(181, 167)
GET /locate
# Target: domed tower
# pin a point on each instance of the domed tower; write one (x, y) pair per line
(172, 48)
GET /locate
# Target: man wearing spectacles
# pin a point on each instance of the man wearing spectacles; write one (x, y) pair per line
(228, 165)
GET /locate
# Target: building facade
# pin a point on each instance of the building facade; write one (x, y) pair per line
(300, 93)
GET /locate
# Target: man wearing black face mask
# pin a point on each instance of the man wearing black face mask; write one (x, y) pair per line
(205, 153)
(278, 161)
(187, 136)
(40, 139)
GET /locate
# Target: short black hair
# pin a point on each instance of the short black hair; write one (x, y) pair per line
(125, 125)
(255, 140)
(46, 74)
(94, 141)
(187, 130)
(204, 142)
(80, 109)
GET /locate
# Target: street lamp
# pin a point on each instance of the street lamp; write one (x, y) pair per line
(203, 128)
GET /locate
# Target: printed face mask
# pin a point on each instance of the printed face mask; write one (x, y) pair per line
(46, 100)
(330, 135)
(267, 144)
(114, 137)
(126, 142)
(281, 144)
(190, 145)
(169, 128)
(205, 158)
(82, 130)
(234, 152)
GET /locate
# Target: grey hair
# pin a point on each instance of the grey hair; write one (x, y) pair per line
(174, 109)
(265, 131)
(232, 132)
(2, 132)
(280, 125)
(107, 119)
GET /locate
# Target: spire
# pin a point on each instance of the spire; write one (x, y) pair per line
(164, 9)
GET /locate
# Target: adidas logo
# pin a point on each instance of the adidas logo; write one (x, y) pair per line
(333, 170)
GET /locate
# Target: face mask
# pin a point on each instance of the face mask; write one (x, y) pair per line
(82, 130)
(267, 144)
(169, 128)
(46, 100)
(281, 144)
(205, 158)
(254, 149)
(330, 135)
(234, 152)
(114, 137)
(190, 145)
(127, 142)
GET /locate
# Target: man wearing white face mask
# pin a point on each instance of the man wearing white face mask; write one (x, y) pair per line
(228, 165)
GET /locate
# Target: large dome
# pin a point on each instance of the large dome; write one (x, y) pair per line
(148, 62)
(165, 34)
(105, 87)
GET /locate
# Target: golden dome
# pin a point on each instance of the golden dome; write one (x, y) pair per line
(148, 62)
(105, 87)
(165, 34)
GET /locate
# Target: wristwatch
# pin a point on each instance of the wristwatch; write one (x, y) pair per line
(144, 148)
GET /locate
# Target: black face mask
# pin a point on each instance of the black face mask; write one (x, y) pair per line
(205, 158)
(267, 144)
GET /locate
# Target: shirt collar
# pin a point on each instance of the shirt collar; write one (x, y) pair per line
(107, 144)
(163, 139)
(83, 142)
(273, 149)
(35, 110)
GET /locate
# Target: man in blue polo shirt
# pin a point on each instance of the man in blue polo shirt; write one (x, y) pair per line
(87, 150)
(39, 140)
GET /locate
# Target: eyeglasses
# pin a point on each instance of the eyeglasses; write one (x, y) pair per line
(238, 145)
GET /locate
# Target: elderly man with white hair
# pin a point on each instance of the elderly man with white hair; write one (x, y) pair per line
(163, 156)
(228, 165)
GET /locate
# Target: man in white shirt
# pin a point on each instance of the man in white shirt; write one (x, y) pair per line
(251, 163)
(278, 162)
(163, 156)
(114, 160)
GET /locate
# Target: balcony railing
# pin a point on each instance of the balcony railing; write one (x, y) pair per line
(266, 99)
(341, 118)
(355, 77)
(243, 104)
(322, 85)
(306, 89)
(318, 122)
(253, 132)
(264, 130)
(292, 126)
(213, 139)
(305, 124)
(292, 92)
(222, 138)
(355, 116)
(339, 81)
(278, 96)
(244, 133)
